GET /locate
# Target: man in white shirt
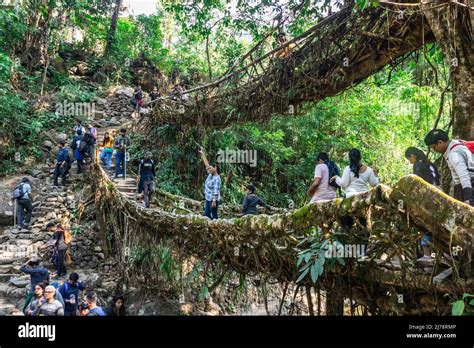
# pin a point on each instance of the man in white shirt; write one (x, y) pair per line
(460, 162)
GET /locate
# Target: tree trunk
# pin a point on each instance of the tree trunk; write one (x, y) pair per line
(113, 27)
(452, 27)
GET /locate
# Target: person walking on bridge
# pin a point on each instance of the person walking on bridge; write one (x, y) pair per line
(212, 188)
(121, 144)
(459, 155)
(147, 182)
(107, 150)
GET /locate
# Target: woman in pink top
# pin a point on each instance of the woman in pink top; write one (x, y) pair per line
(324, 191)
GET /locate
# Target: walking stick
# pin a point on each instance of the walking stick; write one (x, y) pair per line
(125, 163)
(14, 212)
(138, 181)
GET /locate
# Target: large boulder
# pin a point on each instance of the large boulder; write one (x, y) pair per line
(124, 91)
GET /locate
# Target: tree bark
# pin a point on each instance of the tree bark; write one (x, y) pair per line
(452, 27)
(113, 27)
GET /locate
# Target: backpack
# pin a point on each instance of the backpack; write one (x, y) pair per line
(333, 170)
(468, 144)
(82, 146)
(19, 191)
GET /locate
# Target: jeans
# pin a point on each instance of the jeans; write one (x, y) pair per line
(106, 158)
(24, 204)
(91, 151)
(149, 188)
(208, 210)
(60, 171)
(61, 265)
(79, 166)
(119, 160)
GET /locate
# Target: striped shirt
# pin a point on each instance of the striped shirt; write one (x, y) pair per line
(212, 187)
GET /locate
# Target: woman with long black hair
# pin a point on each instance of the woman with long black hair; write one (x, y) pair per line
(356, 177)
(422, 166)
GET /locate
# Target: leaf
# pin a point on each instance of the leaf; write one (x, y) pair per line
(341, 261)
(300, 259)
(467, 295)
(471, 303)
(314, 273)
(302, 275)
(458, 308)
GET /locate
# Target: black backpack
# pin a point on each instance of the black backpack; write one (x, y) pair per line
(83, 146)
(333, 170)
(18, 192)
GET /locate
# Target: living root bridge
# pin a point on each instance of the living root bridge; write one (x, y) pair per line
(339, 51)
(267, 246)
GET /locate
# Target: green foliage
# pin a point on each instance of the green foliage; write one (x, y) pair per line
(313, 259)
(459, 307)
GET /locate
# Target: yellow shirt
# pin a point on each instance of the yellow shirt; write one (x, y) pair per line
(285, 52)
(108, 142)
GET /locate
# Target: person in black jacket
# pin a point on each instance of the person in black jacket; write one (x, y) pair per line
(147, 178)
(117, 308)
(426, 170)
(251, 201)
(422, 166)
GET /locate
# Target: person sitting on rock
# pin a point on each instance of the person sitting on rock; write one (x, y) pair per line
(49, 305)
(249, 205)
(38, 274)
(117, 308)
(24, 203)
(107, 151)
(63, 164)
(147, 182)
(121, 144)
(70, 292)
(460, 158)
(76, 148)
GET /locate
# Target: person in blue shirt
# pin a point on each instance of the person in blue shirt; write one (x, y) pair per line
(38, 274)
(24, 204)
(70, 292)
(63, 163)
(212, 188)
(91, 306)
